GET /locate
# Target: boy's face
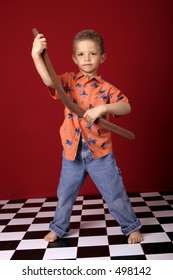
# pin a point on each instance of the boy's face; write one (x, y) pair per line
(88, 57)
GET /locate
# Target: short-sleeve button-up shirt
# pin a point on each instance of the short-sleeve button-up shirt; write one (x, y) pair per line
(86, 93)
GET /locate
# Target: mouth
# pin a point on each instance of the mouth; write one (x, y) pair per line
(87, 64)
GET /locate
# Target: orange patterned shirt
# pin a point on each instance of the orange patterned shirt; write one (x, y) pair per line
(87, 93)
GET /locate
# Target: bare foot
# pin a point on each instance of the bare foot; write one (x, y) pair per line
(135, 237)
(50, 237)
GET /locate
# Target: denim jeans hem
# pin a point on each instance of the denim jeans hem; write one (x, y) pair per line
(135, 226)
(60, 233)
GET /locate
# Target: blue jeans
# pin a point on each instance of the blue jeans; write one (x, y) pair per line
(106, 176)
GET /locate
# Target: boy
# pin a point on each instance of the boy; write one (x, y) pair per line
(87, 148)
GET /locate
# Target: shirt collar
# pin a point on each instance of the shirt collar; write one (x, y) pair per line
(80, 75)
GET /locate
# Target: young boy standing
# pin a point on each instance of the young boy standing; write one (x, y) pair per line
(87, 148)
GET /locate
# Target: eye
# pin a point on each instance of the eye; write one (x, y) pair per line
(93, 54)
(80, 54)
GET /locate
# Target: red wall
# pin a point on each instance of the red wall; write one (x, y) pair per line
(139, 43)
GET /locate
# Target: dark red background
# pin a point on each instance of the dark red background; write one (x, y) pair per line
(139, 45)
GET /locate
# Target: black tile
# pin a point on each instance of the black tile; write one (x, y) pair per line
(93, 217)
(170, 235)
(92, 231)
(64, 242)
(90, 197)
(117, 239)
(51, 199)
(93, 206)
(160, 208)
(153, 198)
(76, 212)
(47, 209)
(134, 257)
(16, 228)
(34, 254)
(25, 215)
(144, 214)
(138, 203)
(4, 222)
(151, 228)
(166, 193)
(74, 225)
(35, 234)
(94, 251)
(9, 245)
(157, 248)
(30, 205)
(16, 201)
(165, 220)
(111, 223)
(42, 220)
(9, 210)
(134, 194)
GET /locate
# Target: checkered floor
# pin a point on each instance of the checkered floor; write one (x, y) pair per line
(93, 235)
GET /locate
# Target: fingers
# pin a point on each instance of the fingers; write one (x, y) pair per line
(39, 44)
(89, 118)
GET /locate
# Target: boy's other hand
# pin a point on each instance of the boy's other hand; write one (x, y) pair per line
(39, 44)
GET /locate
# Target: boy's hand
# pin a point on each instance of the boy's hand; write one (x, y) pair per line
(92, 114)
(39, 44)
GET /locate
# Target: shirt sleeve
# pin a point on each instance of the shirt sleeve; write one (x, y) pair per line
(116, 95)
(63, 79)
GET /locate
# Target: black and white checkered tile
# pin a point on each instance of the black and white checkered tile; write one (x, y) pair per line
(94, 234)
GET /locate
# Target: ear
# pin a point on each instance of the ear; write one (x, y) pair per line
(103, 58)
(74, 59)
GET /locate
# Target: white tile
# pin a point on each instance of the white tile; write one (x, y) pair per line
(35, 200)
(168, 197)
(86, 241)
(38, 227)
(2, 227)
(125, 250)
(12, 205)
(167, 227)
(136, 199)
(148, 194)
(21, 221)
(92, 201)
(50, 204)
(60, 253)
(93, 212)
(163, 213)
(4, 236)
(80, 198)
(7, 216)
(168, 256)
(6, 255)
(73, 233)
(29, 210)
(114, 231)
(2, 202)
(157, 203)
(77, 207)
(93, 224)
(45, 214)
(32, 244)
(109, 217)
(75, 218)
(142, 209)
(149, 221)
(155, 237)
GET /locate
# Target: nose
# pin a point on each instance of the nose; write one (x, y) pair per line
(87, 57)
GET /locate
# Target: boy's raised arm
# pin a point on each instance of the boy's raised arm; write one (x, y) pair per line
(39, 44)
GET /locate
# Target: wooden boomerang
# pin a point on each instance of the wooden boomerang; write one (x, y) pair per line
(73, 106)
